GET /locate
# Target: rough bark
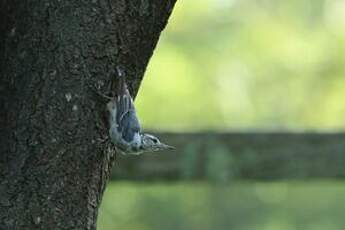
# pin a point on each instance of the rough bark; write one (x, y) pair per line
(53, 164)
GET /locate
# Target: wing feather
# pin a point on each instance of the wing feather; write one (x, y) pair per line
(128, 123)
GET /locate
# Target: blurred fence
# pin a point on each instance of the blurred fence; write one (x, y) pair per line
(221, 157)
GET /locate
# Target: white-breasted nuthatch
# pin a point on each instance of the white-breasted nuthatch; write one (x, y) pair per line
(124, 127)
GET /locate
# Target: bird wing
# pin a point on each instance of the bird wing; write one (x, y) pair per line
(126, 119)
(128, 123)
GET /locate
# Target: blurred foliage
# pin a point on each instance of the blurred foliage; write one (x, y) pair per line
(241, 206)
(228, 64)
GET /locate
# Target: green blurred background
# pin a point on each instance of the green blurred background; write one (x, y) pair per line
(225, 65)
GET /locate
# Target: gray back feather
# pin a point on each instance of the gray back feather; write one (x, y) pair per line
(128, 123)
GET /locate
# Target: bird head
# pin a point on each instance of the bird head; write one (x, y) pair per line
(152, 143)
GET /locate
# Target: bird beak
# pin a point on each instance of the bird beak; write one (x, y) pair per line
(164, 146)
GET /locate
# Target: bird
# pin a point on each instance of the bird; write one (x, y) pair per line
(124, 126)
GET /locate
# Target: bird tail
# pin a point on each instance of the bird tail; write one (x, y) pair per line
(121, 85)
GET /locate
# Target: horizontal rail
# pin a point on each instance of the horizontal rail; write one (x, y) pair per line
(221, 157)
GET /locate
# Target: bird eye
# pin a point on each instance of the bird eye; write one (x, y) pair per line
(155, 141)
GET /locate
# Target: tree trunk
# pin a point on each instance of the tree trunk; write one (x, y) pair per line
(53, 163)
